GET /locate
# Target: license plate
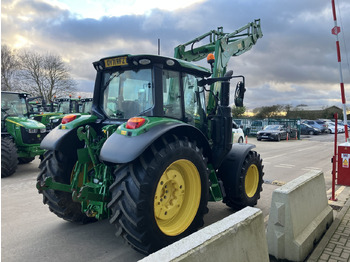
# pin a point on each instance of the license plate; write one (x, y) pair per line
(117, 61)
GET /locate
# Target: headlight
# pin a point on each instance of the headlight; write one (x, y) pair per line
(31, 130)
(34, 131)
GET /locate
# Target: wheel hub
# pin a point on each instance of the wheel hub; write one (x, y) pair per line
(252, 180)
(177, 197)
(169, 195)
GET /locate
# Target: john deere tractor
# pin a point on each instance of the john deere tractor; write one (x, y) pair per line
(65, 106)
(20, 136)
(154, 151)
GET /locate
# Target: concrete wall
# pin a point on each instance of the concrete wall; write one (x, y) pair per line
(299, 216)
(238, 237)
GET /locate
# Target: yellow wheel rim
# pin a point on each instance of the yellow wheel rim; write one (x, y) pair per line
(177, 197)
(251, 180)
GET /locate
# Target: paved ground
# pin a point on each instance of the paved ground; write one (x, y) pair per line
(335, 244)
(31, 233)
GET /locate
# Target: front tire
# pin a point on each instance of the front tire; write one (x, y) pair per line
(9, 157)
(242, 189)
(58, 166)
(161, 196)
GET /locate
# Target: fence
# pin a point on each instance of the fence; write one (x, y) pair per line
(252, 126)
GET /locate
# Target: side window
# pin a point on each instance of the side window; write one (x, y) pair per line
(190, 87)
(171, 94)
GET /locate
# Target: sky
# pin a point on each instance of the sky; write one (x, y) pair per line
(294, 63)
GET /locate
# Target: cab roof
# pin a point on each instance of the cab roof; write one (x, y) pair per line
(128, 60)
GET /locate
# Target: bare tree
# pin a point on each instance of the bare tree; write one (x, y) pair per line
(45, 75)
(9, 69)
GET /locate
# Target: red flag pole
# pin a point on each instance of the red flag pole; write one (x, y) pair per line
(334, 159)
(336, 31)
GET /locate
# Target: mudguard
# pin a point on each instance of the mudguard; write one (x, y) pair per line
(120, 149)
(64, 140)
(236, 156)
(64, 137)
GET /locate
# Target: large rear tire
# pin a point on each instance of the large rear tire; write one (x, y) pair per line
(161, 196)
(242, 189)
(9, 157)
(58, 166)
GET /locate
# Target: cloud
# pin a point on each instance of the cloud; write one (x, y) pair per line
(295, 61)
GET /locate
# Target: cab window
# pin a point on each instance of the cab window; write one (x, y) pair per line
(171, 94)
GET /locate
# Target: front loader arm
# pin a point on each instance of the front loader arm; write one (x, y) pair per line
(224, 46)
(233, 44)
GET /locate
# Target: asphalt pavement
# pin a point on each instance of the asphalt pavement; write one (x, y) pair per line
(30, 232)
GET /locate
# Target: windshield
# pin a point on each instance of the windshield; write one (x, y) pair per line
(13, 105)
(63, 107)
(272, 127)
(127, 93)
(87, 105)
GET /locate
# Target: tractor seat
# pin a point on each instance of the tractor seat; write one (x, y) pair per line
(130, 108)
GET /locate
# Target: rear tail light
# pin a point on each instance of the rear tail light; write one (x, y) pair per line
(135, 122)
(68, 118)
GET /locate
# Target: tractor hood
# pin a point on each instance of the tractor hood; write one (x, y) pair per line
(25, 122)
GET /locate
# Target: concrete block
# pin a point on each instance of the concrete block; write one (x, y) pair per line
(299, 216)
(238, 237)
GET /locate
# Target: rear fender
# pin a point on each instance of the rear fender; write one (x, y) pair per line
(64, 140)
(120, 149)
(64, 137)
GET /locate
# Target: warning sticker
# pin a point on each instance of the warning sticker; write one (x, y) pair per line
(345, 160)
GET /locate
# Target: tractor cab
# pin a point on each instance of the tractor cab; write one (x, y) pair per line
(67, 105)
(148, 85)
(14, 104)
(85, 106)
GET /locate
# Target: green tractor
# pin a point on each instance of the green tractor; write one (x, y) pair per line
(154, 152)
(64, 106)
(20, 136)
(41, 111)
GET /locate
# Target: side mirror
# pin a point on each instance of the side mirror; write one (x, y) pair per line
(239, 94)
(229, 73)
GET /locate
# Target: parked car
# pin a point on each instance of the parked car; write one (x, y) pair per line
(309, 130)
(272, 132)
(237, 133)
(331, 128)
(320, 124)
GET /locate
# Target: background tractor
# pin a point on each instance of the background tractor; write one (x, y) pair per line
(158, 145)
(42, 111)
(69, 105)
(20, 136)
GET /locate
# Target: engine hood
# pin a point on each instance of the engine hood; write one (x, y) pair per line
(25, 122)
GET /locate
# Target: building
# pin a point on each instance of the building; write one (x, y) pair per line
(326, 113)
